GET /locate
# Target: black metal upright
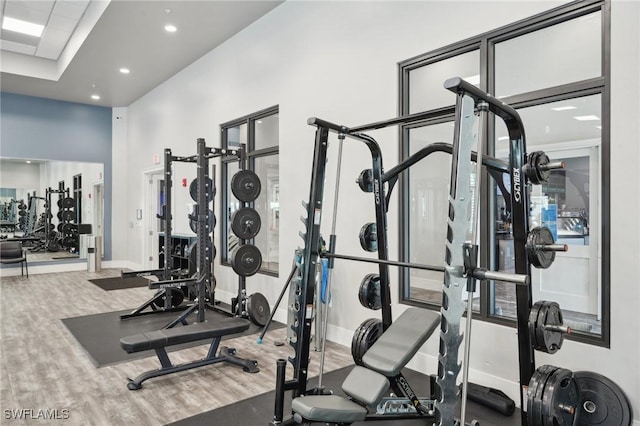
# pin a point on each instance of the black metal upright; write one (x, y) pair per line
(203, 259)
(166, 212)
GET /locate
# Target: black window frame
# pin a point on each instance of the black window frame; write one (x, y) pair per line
(252, 154)
(600, 85)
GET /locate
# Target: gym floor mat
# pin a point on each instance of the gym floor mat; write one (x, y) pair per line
(118, 283)
(100, 334)
(258, 410)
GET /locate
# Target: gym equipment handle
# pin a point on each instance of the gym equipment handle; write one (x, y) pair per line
(552, 247)
(556, 165)
(483, 274)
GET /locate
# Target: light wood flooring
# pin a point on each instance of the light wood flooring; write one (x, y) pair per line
(43, 367)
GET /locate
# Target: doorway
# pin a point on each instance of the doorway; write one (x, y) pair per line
(154, 200)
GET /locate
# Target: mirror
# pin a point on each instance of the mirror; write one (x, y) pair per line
(50, 206)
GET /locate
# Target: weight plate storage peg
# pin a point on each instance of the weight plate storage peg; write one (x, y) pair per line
(546, 327)
(258, 309)
(246, 260)
(369, 237)
(602, 402)
(365, 180)
(210, 190)
(245, 186)
(369, 292)
(245, 223)
(364, 337)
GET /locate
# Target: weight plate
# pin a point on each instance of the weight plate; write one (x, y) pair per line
(246, 260)
(364, 337)
(369, 237)
(61, 227)
(533, 320)
(532, 389)
(193, 220)
(246, 186)
(22, 213)
(560, 399)
(245, 223)
(192, 254)
(68, 216)
(68, 203)
(210, 190)
(602, 402)
(51, 227)
(258, 309)
(53, 246)
(21, 207)
(552, 340)
(177, 296)
(365, 180)
(535, 392)
(539, 237)
(59, 202)
(369, 292)
(59, 216)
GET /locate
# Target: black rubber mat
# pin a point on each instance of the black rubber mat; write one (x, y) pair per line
(258, 410)
(118, 283)
(100, 334)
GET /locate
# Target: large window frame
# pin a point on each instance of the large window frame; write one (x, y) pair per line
(486, 43)
(250, 121)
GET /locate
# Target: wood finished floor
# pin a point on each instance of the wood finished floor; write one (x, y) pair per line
(43, 367)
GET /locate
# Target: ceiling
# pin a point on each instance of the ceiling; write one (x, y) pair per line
(86, 42)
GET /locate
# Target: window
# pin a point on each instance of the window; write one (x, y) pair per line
(563, 101)
(259, 133)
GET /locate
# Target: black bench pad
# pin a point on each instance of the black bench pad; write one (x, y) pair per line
(177, 335)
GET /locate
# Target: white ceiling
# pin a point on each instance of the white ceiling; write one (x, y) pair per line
(86, 42)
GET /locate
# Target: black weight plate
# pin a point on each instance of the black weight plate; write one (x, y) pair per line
(538, 257)
(369, 292)
(246, 186)
(192, 254)
(365, 180)
(210, 190)
(533, 320)
(246, 260)
(602, 402)
(561, 391)
(245, 223)
(540, 334)
(369, 237)
(193, 220)
(53, 246)
(68, 216)
(552, 340)
(21, 207)
(371, 332)
(68, 203)
(61, 227)
(22, 213)
(535, 413)
(59, 202)
(177, 296)
(51, 227)
(59, 216)
(531, 393)
(356, 339)
(258, 309)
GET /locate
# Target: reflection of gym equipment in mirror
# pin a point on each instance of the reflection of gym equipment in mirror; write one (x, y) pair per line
(34, 214)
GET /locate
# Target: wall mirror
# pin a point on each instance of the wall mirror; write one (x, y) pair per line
(51, 206)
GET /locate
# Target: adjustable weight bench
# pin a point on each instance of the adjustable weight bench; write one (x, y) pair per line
(369, 387)
(160, 339)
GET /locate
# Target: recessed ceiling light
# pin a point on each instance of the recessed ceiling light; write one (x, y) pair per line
(587, 118)
(167, 11)
(503, 138)
(95, 97)
(563, 108)
(28, 161)
(259, 121)
(124, 70)
(170, 28)
(20, 26)
(598, 127)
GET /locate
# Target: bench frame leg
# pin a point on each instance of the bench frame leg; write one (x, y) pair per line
(224, 355)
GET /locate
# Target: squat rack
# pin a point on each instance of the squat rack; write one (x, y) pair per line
(517, 201)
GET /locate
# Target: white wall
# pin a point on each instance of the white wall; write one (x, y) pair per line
(20, 176)
(338, 61)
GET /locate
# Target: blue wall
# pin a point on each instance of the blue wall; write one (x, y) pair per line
(54, 130)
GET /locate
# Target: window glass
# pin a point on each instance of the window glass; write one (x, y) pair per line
(266, 132)
(428, 195)
(236, 135)
(560, 54)
(568, 204)
(426, 89)
(268, 206)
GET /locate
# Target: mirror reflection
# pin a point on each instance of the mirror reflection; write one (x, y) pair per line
(51, 206)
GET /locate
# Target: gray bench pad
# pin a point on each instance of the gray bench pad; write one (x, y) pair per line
(400, 342)
(365, 386)
(329, 409)
(177, 335)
